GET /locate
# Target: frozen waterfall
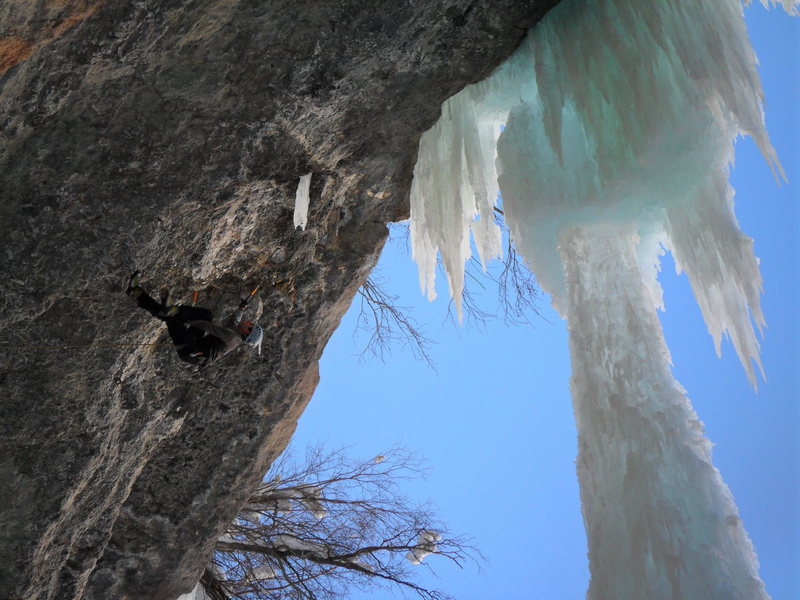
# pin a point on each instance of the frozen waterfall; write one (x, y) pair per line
(659, 520)
(609, 135)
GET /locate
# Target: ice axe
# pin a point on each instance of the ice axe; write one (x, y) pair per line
(255, 289)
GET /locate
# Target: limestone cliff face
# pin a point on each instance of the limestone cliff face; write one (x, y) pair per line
(169, 136)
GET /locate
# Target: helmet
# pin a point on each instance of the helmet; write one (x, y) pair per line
(255, 337)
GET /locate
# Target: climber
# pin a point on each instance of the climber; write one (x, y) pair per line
(198, 341)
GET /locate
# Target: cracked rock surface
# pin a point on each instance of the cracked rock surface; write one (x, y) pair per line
(170, 136)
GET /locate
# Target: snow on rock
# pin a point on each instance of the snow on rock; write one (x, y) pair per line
(218, 572)
(426, 544)
(301, 200)
(609, 134)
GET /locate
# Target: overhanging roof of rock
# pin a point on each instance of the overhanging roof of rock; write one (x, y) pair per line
(169, 136)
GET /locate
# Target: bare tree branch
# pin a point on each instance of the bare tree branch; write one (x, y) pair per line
(315, 530)
(389, 322)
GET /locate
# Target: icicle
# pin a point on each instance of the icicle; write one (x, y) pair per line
(660, 522)
(301, 200)
(453, 194)
(790, 6)
(636, 144)
(619, 121)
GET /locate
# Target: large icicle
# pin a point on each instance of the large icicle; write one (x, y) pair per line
(628, 110)
(453, 194)
(619, 117)
(790, 6)
(660, 522)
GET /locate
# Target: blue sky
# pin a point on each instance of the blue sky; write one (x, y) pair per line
(495, 420)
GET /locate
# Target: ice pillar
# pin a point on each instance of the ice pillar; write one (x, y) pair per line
(660, 522)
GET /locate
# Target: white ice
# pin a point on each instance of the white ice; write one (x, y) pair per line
(575, 139)
(301, 201)
(660, 522)
(790, 6)
(609, 135)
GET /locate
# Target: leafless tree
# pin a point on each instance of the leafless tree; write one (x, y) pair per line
(516, 283)
(388, 322)
(315, 530)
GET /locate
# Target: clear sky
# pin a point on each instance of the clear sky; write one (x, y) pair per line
(495, 420)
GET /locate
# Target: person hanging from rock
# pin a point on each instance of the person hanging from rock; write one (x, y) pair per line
(197, 339)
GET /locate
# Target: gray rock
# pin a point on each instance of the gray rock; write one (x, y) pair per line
(170, 136)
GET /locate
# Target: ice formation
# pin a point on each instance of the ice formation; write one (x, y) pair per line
(790, 6)
(609, 135)
(301, 200)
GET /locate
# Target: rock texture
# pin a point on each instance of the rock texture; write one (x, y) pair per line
(170, 136)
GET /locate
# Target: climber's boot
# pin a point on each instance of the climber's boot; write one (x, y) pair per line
(168, 306)
(133, 290)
